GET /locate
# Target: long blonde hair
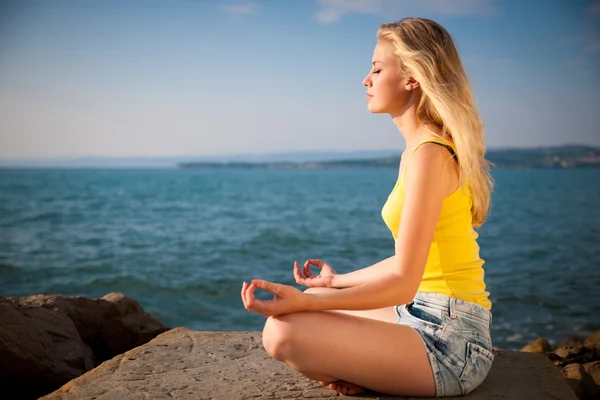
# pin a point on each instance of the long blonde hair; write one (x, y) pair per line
(427, 53)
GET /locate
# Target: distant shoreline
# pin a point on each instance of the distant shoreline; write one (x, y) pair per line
(556, 157)
(225, 166)
(564, 157)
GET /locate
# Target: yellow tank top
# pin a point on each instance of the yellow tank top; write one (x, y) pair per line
(453, 266)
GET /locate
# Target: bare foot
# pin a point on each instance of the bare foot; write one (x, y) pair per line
(345, 388)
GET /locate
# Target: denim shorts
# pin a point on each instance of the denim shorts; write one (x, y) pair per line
(457, 337)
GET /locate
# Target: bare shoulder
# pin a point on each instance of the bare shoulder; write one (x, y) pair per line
(429, 157)
(429, 165)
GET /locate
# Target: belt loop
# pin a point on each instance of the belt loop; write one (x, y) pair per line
(452, 307)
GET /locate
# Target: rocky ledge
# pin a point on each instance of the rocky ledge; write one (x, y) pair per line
(187, 364)
(110, 348)
(578, 360)
(45, 341)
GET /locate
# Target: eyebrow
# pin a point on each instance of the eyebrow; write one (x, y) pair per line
(375, 62)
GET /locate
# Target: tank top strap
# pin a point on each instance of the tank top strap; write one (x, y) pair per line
(446, 143)
(438, 140)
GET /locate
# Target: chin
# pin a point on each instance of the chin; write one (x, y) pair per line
(373, 108)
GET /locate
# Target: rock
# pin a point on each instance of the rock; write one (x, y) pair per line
(581, 381)
(580, 354)
(593, 369)
(593, 340)
(39, 350)
(47, 340)
(570, 342)
(540, 345)
(573, 371)
(187, 364)
(579, 361)
(569, 352)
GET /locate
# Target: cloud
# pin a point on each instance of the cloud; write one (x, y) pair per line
(588, 38)
(594, 36)
(593, 47)
(241, 7)
(333, 10)
(461, 7)
(594, 9)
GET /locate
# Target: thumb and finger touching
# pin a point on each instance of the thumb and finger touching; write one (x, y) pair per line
(249, 299)
(317, 263)
(272, 287)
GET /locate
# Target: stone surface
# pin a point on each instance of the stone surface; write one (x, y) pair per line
(569, 351)
(581, 380)
(578, 360)
(580, 354)
(47, 340)
(570, 342)
(186, 364)
(593, 369)
(541, 345)
(573, 371)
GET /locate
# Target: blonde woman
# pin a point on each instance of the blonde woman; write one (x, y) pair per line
(417, 323)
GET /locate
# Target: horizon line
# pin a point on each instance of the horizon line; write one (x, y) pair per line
(274, 153)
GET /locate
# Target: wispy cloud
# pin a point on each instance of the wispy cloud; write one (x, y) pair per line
(588, 38)
(588, 41)
(583, 65)
(593, 33)
(333, 10)
(594, 8)
(461, 7)
(593, 47)
(240, 7)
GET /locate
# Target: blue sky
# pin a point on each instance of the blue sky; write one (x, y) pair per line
(192, 78)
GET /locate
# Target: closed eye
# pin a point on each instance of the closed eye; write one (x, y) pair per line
(377, 71)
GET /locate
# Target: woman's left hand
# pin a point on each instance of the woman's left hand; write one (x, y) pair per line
(286, 299)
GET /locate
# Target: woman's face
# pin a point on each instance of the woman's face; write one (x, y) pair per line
(387, 91)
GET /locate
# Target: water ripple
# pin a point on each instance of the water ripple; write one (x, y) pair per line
(181, 242)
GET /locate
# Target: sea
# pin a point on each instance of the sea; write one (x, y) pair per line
(182, 241)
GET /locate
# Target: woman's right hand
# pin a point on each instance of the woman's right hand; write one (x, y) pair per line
(306, 277)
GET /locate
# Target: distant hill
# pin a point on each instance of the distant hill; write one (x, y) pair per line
(570, 156)
(170, 162)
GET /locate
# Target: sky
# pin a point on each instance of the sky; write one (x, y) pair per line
(150, 78)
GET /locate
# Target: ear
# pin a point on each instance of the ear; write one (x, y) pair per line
(411, 84)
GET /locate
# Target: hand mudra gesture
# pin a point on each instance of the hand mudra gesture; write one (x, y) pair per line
(307, 278)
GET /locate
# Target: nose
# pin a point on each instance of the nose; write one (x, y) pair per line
(367, 81)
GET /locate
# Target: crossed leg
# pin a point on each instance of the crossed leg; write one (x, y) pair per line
(364, 348)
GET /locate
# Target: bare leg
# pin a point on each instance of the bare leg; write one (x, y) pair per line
(387, 314)
(369, 353)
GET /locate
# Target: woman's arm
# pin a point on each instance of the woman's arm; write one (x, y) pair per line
(426, 186)
(397, 279)
(365, 275)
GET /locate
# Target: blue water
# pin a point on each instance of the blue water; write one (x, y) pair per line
(182, 241)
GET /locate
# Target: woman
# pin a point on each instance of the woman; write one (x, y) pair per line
(417, 323)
